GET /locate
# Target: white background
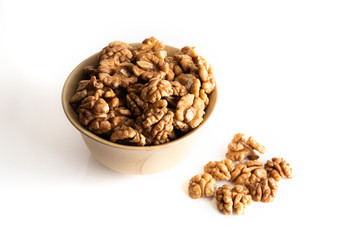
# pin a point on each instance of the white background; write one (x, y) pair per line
(287, 73)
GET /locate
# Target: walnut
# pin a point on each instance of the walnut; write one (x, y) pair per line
(220, 170)
(151, 45)
(206, 75)
(119, 116)
(190, 110)
(241, 198)
(264, 191)
(156, 123)
(202, 185)
(155, 89)
(224, 199)
(278, 168)
(185, 59)
(242, 147)
(111, 56)
(92, 108)
(127, 135)
(121, 77)
(100, 126)
(149, 66)
(246, 175)
(135, 103)
(92, 87)
(194, 64)
(178, 89)
(191, 83)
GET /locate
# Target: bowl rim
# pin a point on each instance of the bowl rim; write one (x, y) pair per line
(67, 107)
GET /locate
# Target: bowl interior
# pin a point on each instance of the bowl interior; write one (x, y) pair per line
(77, 74)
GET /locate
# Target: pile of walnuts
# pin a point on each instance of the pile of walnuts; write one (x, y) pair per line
(141, 96)
(252, 179)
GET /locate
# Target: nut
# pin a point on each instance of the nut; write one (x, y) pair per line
(133, 90)
(220, 170)
(224, 199)
(278, 168)
(247, 174)
(111, 56)
(202, 185)
(121, 77)
(156, 123)
(190, 110)
(127, 135)
(155, 89)
(241, 198)
(149, 66)
(242, 147)
(191, 83)
(151, 45)
(264, 191)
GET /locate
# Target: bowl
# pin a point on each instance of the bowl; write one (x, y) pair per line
(125, 158)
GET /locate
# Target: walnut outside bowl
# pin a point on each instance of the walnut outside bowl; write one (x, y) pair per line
(125, 158)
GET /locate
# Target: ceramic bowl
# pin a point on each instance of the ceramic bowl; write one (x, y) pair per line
(125, 158)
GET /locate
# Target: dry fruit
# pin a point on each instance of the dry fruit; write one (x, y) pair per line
(242, 147)
(220, 170)
(190, 110)
(229, 199)
(202, 185)
(132, 90)
(278, 168)
(264, 191)
(224, 199)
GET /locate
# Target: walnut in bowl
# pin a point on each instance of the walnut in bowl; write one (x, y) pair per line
(134, 110)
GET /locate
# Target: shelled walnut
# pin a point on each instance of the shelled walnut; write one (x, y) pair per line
(128, 135)
(241, 198)
(202, 185)
(229, 199)
(135, 87)
(220, 170)
(264, 191)
(190, 110)
(224, 199)
(278, 168)
(242, 147)
(243, 174)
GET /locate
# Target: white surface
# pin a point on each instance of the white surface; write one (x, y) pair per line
(287, 74)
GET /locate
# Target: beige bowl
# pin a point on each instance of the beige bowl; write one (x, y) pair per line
(124, 158)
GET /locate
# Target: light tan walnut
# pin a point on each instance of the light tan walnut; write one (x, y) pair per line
(194, 64)
(121, 77)
(185, 59)
(242, 147)
(135, 103)
(127, 135)
(224, 199)
(155, 89)
(242, 174)
(178, 89)
(202, 185)
(206, 74)
(191, 83)
(92, 108)
(156, 123)
(149, 66)
(190, 110)
(153, 46)
(241, 198)
(119, 116)
(113, 55)
(220, 170)
(93, 87)
(278, 168)
(264, 191)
